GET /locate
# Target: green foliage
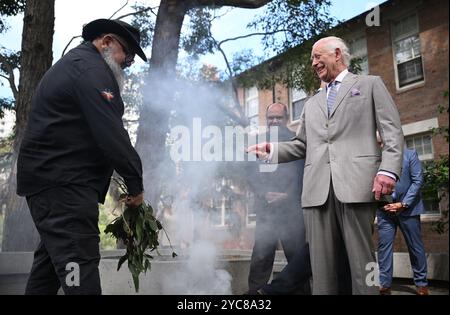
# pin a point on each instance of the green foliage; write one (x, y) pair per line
(138, 229)
(243, 61)
(105, 217)
(199, 41)
(436, 174)
(6, 104)
(297, 21)
(10, 8)
(292, 44)
(144, 21)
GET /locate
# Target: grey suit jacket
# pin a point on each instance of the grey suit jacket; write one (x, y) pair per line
(343, 148)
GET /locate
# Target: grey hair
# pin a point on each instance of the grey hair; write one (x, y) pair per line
(332, 43)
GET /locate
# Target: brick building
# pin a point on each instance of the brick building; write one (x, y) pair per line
(410, 51)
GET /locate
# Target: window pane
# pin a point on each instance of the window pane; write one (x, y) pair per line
(254, 122)
(410, 143)
(427, 149)
(358, 47)
(252, 107)
(298, 94)
(431, 202)
(422, 144)
(297, 108)
(410, 72)
(252, 92)
(216, 213)
(365, 66)
(407, 49)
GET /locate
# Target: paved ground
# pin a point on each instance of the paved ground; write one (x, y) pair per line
(406, 287)
(15, 285)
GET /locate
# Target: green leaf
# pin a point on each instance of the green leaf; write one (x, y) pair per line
(146, 265)
(136, 282)
(121, 261)
(153, 225)
(139, 228)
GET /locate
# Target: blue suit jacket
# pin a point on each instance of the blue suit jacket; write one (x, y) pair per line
(408, 188)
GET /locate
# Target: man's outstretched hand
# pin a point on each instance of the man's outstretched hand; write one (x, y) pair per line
(262, 150)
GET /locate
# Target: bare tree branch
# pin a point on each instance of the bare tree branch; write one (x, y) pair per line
(253, 34)
(233, 85)
(119, 18)
(126, 3)
(138, 12)
(246, 4)
(67, 46)
(10, 76)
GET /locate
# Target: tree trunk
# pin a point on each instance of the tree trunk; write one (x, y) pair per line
(37, 39)
(158, 95)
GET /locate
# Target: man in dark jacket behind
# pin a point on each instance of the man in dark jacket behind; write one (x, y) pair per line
(74, 140)
(279, 216)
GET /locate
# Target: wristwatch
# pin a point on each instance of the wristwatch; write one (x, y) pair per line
(405, 205)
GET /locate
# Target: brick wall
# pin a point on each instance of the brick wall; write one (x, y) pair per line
(433, 242)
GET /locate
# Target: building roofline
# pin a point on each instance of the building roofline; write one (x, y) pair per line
(277, 58)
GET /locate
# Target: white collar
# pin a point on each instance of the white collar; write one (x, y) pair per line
(340, 77)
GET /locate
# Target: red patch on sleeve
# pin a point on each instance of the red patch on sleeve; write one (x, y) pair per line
(107, 95)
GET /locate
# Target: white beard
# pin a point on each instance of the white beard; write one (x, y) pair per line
(118, 72)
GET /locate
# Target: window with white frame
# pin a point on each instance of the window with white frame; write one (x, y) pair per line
(251, 209)
(423, 145)
(298, 100)
(222, 203)
(252, 106)
(358, 50)
(407, 50)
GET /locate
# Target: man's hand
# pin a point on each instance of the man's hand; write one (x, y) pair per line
(134, 201)
(383, 185)
(394, 207)
(261, 150)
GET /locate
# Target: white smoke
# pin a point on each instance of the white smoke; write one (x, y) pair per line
(200, 276)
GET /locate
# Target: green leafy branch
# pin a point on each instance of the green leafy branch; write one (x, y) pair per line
(138, 229)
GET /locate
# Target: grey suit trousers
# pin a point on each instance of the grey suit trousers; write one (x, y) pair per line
(334, 231)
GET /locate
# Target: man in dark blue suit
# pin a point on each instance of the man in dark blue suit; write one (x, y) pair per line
(405, 213)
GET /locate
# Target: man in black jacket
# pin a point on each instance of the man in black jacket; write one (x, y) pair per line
(279, 216)
(74, 140)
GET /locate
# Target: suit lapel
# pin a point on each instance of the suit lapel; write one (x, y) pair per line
(348, 82)
(322, 100)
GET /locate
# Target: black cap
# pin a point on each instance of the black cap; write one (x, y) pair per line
(102, 26)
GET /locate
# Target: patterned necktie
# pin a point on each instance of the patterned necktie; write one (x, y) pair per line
(331, 97)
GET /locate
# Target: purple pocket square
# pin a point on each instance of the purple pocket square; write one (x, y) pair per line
(355, 92)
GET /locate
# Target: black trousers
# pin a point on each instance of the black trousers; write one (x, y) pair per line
(281, 223)
(68, 255)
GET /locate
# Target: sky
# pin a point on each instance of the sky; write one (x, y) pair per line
(71, 15)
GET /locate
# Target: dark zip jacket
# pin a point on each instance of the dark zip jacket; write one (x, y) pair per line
(75, 133)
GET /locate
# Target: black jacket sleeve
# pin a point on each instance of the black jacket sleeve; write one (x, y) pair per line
(101, 103)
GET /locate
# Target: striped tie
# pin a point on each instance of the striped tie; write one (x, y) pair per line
(331, 97)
